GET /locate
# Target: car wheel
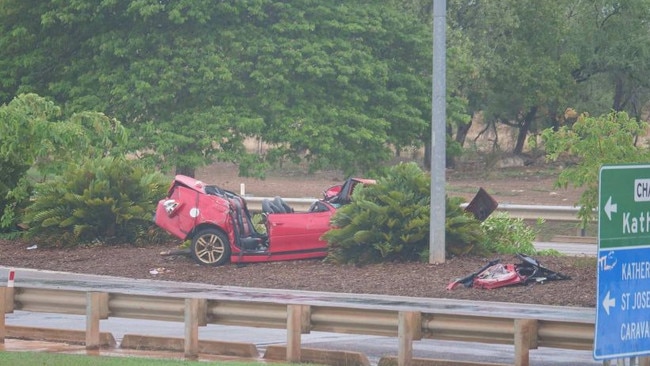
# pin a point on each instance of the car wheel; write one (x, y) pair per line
(210, 247)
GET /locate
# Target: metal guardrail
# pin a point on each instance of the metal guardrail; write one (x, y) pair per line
(527, 212)
(558, 327)
(534, 212)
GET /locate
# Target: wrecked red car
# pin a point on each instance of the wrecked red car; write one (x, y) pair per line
(221, 229)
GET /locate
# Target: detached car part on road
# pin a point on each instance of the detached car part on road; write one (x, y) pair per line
(221, 229)
(494, 274)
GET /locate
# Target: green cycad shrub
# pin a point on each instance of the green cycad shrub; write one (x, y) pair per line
(37, 139)
(463, 232)
(389, 221)
(107, 200)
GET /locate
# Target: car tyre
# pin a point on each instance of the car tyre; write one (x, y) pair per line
(210, 247)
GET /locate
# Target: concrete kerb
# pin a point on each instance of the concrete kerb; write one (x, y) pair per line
(319, 356)
(392, 361)
(106, 339)
(221, 348)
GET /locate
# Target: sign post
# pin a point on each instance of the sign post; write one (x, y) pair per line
(623, 293)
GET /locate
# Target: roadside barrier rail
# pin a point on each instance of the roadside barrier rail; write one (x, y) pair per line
(471, 321)
(526, 212)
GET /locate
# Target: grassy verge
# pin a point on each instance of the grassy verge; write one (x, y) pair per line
(57, 359)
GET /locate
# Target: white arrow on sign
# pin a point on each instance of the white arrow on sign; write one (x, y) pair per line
(610, 207)
(608, 302)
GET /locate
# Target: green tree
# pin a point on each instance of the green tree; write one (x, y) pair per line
(525, 60)
(461, 71)
(613, 44)
(22, 60)
(523, 63)
(335, 83)
(588, 144)
(37, 139)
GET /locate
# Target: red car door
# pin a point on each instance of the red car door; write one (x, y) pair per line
(298, 233)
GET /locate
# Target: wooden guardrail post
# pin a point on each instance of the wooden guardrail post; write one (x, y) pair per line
(9, 294)
(96, 309)
(297, 323)
(9, 300)
(644, 361)
(6, 303)
(574, 331)
(3, 326)
(192, 317)
(525, 340)
(409, 328)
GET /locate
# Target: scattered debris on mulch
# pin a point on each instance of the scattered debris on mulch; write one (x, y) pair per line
(400, 279)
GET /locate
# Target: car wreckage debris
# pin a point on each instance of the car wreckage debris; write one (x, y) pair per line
(496, 274)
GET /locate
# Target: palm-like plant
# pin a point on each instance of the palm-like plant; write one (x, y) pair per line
(107, 199)
(389, 221)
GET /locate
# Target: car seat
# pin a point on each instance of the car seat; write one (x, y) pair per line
(268, 206)
(277, 205)
(282, 205)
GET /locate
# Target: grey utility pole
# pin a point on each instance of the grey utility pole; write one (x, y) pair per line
(438, 123)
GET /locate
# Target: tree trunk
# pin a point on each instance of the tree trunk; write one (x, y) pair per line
(618, 104)
(524, 127)
(461, 133)
(427, 155)
(185, 170)
(450, 161)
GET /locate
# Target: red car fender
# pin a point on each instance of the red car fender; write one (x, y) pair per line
(195, 209)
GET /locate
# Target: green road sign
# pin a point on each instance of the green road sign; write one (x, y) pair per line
(624, 204)
(623, 293)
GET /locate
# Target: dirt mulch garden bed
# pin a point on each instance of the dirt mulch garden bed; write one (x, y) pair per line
(527, 185)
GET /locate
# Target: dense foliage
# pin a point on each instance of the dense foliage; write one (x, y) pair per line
(385, 221)
(589, 143)
(463, 232)
(509, 235)
(335, 83)
(339, 84)
(108, 200)
(37, 141)
(66, 178)
(532, 61)
(343, 85)
(389, 221)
